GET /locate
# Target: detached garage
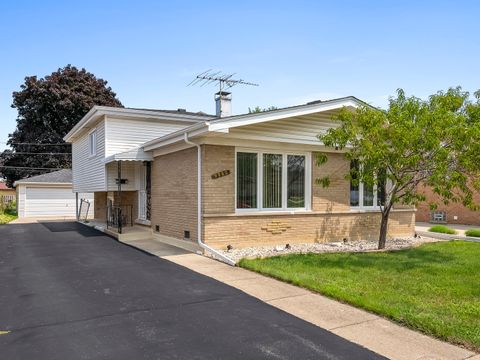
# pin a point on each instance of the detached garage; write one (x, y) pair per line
(49, 195)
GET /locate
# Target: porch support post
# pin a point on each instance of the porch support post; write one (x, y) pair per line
(119, 175)
(76, 207)
(119, 209)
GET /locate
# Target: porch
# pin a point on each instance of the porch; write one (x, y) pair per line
(126, 203)
(129, 233)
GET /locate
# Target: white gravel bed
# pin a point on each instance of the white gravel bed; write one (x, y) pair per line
(329, 247)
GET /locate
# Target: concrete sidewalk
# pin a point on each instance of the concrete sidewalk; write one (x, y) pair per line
(421, 229)
(366, 329)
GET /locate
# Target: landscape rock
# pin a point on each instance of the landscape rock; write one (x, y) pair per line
(327, 247)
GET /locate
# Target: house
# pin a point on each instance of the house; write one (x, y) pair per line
(225, 180)
(6, 194)
(452, 213)
(49, 195)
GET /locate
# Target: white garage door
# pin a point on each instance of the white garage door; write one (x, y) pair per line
(49, 202)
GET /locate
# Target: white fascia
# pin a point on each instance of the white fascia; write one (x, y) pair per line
(42, 183)
(250, 119)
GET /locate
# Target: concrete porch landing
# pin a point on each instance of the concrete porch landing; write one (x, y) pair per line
(135, 232)
(142, 238)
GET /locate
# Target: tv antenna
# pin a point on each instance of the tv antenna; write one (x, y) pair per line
(225, 81)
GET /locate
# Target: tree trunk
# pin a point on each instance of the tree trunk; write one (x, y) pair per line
(383, 229)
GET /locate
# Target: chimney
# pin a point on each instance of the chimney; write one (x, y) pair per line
(223, 101)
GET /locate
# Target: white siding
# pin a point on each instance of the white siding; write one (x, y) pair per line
(21, 191)
(89, 172)
(124, 134)
(301, 129)
(114, 136)
(130, 171)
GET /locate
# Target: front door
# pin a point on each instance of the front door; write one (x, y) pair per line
(144, 193)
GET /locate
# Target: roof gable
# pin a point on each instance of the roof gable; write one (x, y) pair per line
(228, 124)
(288, 112)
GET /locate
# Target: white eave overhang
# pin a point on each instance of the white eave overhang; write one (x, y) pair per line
(98, 111)
(223, 125)
(137, 154)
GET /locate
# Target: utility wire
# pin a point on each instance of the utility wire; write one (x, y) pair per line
(37, 144)
(29, 168)
(37, 153)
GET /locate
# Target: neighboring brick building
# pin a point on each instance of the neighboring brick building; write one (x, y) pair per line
(453, 213)
(6, 194)
(258, 175)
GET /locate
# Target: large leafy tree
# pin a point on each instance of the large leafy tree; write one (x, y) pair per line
(47, 109)
(434, 142)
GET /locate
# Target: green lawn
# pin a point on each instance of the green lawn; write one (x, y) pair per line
(434, 288)
(6, 218)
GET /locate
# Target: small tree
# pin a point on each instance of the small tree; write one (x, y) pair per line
(434, 142)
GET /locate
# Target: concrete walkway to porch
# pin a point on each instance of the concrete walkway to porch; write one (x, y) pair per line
(157, 248)
(371, 331)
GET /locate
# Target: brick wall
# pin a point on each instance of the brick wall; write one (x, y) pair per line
(218, 194)
(100, 206)
(129, 198)
(330, 220)
(335, 197)
(463, 214)
(174, 205)
(174, 193)
(244, 231)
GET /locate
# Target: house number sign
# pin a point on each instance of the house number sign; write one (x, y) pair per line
(220, 174)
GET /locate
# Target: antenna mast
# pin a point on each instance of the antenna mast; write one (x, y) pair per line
(224, 81)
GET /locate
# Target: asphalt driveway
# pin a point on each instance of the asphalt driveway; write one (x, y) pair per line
(69, 292)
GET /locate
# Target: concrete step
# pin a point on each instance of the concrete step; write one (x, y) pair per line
(134, 234)
(183, 244)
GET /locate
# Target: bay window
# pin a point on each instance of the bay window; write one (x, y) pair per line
(272, 180)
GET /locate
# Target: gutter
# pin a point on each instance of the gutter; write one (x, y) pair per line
(174, 136)
(214, 252)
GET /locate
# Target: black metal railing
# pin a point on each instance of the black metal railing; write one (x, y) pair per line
(119, 216)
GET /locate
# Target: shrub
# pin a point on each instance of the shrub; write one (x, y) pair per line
(473, 232)
(11, 208)
(442, 229)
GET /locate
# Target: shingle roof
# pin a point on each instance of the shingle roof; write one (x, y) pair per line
(4, 186)
(60, 176)
(178, 111)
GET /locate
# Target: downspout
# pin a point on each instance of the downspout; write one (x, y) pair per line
(214, 252)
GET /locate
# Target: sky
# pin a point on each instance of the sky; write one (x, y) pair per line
(298, 51)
